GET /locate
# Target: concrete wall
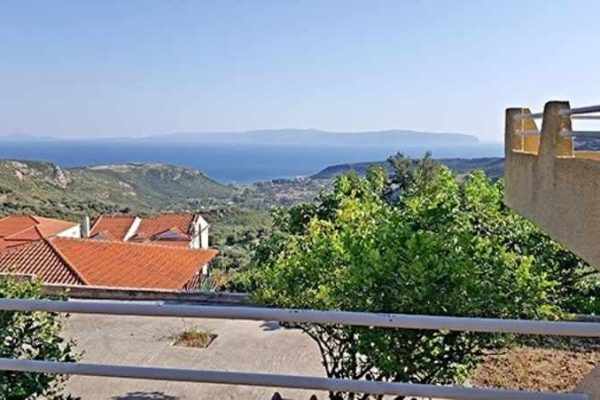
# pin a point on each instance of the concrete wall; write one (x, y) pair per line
(551, 184)
(135, 225)
(199, 233)
(74, 232)
(109, 293)
(203, 232)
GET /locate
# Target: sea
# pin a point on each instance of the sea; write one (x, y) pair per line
(227, 163)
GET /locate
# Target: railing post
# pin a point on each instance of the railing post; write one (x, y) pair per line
(556, 120)
(518, 121)
(518, 152)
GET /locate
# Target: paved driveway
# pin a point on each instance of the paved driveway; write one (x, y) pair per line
(247, 346)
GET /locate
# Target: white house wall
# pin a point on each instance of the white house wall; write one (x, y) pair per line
(74, 232)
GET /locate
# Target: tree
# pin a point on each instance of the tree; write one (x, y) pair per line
(32, 336)
(424, 251)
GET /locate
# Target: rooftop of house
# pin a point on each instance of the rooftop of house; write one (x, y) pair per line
(113, 227)
(16, 230)
(172, 229)
(150, 227)
(107, 263)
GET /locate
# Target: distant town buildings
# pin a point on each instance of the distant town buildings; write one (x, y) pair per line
(169, 251)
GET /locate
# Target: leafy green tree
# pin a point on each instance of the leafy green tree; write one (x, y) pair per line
(576, 286)
(433, 248)
(32, 336)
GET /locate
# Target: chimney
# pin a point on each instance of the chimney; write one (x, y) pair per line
(203, 228)
(85, 227)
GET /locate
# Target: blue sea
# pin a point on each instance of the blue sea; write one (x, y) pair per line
(226, 163)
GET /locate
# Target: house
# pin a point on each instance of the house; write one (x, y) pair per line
(16, 230)
(183, 230)
(115, 264)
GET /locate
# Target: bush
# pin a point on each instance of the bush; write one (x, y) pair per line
(31, 336)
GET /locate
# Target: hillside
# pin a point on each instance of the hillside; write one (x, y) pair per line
(48, 189)
(493, 167)
(149, 185)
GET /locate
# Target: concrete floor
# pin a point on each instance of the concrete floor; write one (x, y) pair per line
(246, 346)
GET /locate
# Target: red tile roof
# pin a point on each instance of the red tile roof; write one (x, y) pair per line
(161, 228)
(113, 226)
(107, 263)
(156, 225)
(103, 235)
(18, 229)
(6, 244)
(15, 224)
(41, 260)
(170, 237)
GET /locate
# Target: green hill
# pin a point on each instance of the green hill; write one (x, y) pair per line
(493, 167)
(45, 188)
(150, 185)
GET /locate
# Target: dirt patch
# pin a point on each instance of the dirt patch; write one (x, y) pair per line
(558, 367)
(194, 337)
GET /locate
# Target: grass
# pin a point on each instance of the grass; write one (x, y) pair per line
(195, 337)
(557, 366)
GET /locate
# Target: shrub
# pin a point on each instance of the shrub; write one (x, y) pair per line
(32, 336)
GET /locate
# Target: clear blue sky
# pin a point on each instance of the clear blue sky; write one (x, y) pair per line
(114, 68)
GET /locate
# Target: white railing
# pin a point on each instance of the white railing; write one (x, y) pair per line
(287, 381)
(404, 321)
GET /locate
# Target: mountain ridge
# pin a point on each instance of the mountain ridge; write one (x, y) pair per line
(287, 136)
(492, 166)
(293, 136)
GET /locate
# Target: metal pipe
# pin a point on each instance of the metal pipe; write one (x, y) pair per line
(286, 381)
(565, 112)
(585, 116)
(581, 133)
(581, 110)
(403, 321)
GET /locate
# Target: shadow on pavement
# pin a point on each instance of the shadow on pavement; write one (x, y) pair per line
(270, 326)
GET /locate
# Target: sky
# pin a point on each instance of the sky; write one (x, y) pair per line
(137, 68)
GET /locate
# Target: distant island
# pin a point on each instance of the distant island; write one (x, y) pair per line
(315, 137)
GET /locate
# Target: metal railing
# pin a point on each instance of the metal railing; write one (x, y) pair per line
(577, 112)
(286, 381)
(582, 110)
(401, 321)
(580, 113)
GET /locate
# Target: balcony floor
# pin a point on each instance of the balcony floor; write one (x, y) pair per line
(248, 346)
